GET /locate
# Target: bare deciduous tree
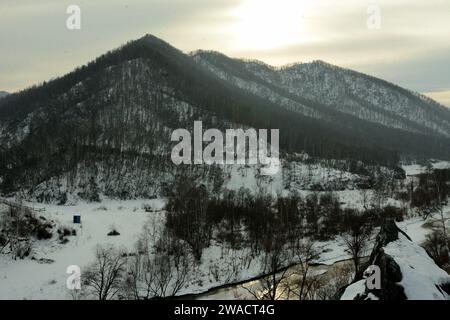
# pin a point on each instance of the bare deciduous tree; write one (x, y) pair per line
(440, 201)
(159, 270)
(436, 245)
(365, 198)
(17, 226)
(105, 275)
(303, 283)
(273, 262)
(357, 237)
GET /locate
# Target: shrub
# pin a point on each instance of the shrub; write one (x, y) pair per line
(436, 247)
(22, 249)
(65, 232)
(390, 212)
(113, 233)
(44, 231)
(147, 207)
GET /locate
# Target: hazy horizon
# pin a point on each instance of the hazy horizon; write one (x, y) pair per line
(410, 48)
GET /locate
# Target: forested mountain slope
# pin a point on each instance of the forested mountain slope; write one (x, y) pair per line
(107, 125)
(316, 88)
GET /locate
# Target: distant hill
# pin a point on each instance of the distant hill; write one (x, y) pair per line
(318, 89)
(107, 125)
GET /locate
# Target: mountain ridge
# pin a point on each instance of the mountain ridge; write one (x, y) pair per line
(439, 124)
(109, 122)
(317, 62)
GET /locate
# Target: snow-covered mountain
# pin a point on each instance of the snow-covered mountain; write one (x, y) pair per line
(316, 88)
(105, 127)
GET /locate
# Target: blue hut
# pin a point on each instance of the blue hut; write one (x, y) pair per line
(77, 219)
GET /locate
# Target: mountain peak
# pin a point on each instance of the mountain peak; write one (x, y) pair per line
(151, 39)
(323, 63)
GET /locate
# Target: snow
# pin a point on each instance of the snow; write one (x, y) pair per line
(420, 273)
(416, 169)
(354, 289)
(415, 229)
(413, 169)
(441, 165)
(27, 279)
(247, 177)
(344, 90)
(332, 252)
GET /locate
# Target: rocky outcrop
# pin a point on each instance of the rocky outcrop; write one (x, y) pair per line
(406, 270)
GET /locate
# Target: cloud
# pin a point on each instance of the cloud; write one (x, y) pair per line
(410, 49)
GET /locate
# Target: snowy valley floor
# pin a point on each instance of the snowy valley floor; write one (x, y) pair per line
(34, 279)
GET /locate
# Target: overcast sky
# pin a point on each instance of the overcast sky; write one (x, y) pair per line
(411, 48)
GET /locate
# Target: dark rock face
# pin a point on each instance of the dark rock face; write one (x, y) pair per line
(390, 276)
(407, 272)
(446, 287)
(390, 270)
(388, 233)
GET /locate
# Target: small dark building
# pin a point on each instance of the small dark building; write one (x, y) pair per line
(77, 218)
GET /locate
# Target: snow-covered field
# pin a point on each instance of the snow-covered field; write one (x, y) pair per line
(29, 279)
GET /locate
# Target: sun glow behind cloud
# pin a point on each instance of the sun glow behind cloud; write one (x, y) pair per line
(410, 49)
(267, 24)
